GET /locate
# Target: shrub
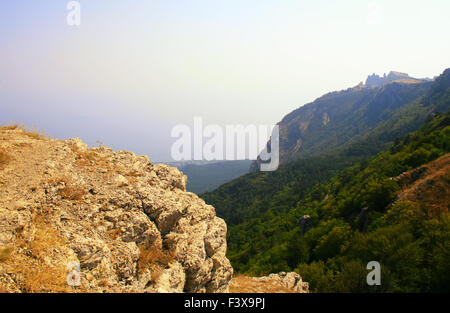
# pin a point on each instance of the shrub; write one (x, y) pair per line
(5, 252)
(155, 259)
(34, 274)
(73, 193)
(316, 273)
(333, 243)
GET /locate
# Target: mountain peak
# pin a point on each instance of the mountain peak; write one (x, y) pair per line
(375, 80)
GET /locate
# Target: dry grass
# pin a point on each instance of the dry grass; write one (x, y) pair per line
(73, 193)
(10, 127)
(5, 253)
(30, 132)
(4, 158)
(431, 190)
(41, 277)
(45, 238)
(87, 158)
(69, 191)
(154, 259)
(33, 272)
(114, 233)
(44, 278)
(90, 158)
(133, 174)
(122, 185)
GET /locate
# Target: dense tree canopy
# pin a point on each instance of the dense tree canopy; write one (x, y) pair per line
(412, 245)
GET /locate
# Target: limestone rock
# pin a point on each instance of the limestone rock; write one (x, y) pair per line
(129, 224)
(290, 280)
(274, 283)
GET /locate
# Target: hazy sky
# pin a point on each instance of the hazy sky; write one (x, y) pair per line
(134, 69)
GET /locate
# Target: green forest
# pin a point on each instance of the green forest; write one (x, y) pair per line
(264, 212)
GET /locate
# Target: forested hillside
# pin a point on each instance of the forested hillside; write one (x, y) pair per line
(253, 194)
(411, 242)
(333, 191)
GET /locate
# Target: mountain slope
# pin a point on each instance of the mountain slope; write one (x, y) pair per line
(253, 194)
(407, 233)
(264, 210)
(428, 186)
(337, 119)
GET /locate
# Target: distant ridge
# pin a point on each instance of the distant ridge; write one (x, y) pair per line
(375, 80)
(384, 107)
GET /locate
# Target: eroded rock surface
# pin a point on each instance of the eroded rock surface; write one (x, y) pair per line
(274, 283)
(130, 224)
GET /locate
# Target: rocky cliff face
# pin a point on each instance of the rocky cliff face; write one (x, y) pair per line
(376, 81)
(129, 224)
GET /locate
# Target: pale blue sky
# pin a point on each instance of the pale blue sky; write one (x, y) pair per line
(134, 69)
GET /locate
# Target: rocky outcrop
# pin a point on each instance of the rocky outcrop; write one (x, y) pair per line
(129, 224)
(290, 280)
(363, 219)
(274, 283)
(304, 223)
(377, 81)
